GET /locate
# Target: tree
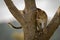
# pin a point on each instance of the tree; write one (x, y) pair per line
(28, 20)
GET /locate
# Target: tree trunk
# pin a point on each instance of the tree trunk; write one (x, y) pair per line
(30, 5)
(28, 21)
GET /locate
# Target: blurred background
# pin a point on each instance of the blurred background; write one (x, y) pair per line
(49, 6)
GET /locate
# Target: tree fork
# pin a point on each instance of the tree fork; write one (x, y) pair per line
(28, 22)
(28, 25)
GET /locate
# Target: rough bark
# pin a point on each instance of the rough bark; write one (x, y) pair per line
(29, 21)
(15, 12)
(54, 24)
(30, 5)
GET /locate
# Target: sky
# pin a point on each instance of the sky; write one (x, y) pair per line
(49, 6)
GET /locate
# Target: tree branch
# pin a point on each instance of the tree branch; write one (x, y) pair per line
(30, 5)
(15, 12)
(53, 25)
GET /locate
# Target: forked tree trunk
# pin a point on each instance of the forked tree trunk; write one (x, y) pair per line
(28, 20)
